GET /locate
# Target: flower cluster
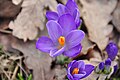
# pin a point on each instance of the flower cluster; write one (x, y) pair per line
(104, 67)
(64, 38)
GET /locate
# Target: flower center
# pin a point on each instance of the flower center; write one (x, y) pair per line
(61, 40)
(75, 71)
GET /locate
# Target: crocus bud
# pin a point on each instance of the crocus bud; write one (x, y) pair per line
(107, 68)
(112, 50)
(100, 68)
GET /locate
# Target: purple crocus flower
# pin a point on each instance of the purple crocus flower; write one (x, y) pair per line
(63, 38)
(70, 8)
(112, 50)
(78, 70)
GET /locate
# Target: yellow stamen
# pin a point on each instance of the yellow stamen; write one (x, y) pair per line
(75, 71)
(61, 40)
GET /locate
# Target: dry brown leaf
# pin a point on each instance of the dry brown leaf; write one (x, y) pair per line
(8, 9)
(31, 17)
(39, 62)
(86, 45)
(60, 73)
(5, 41)
(116, 17)
(96, 15)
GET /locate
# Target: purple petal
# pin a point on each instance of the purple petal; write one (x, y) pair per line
(70, 77)
(54, 30)
(73, 51)
(79, 76)
(88, 69)
(69, 70)
(51, 15)
(71, 63)
(67, 23)
(74, 38)
(76, 15)
(56, 52)
(71, 5)
(78, 23)
(81, 65)
(108, 62)
(101, 66)
(44, 44)
(61, 9)
(115, 69)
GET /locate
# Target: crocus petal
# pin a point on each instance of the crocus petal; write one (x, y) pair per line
(70, 77)
(79, 76)
(81, 65)
(44, 44)
(76, 15)
(61, 9)
(115, 69)
(108, 62)
(101, 66)
(51, 15)
(74, 38)
(71, 5)
(88, 69)
(54, 30)
(71, 63)
(56, 52)
(73, 51)
(67, 23)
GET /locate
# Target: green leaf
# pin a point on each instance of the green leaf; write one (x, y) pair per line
(30, 77)
(20, 76)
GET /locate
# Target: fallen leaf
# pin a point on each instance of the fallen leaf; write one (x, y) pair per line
(97, 18)
(8, 9)
(116, 17)
(5, 41)
(4, 23)
(86, 45)
(39, 62)
(60, 73)
(31, 17)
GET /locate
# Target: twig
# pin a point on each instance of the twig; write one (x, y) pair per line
(6, 74)
(15, 72)
(22, 69)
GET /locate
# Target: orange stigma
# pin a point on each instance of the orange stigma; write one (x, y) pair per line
(61, 40)
(75, 71)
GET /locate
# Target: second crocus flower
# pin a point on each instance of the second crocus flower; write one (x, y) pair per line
(78, 70)
(70, 8)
